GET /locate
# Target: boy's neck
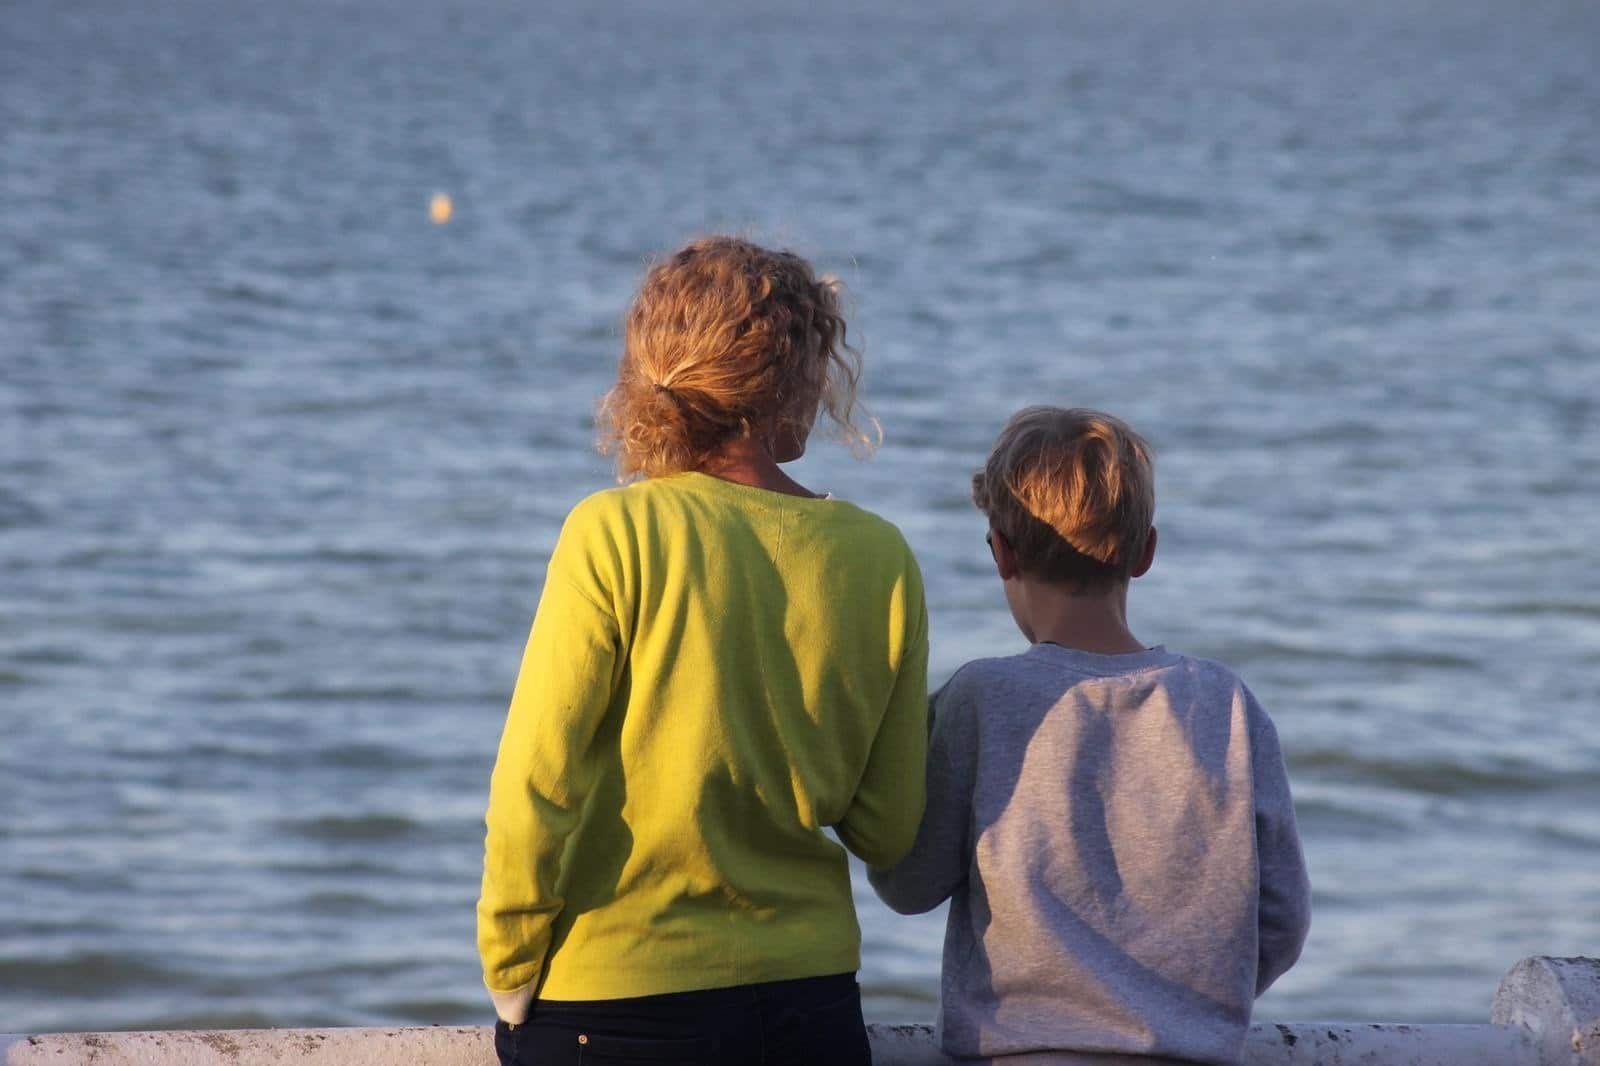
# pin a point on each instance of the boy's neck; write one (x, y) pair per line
(1094, 622)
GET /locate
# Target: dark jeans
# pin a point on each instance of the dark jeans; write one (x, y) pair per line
(815, 1021)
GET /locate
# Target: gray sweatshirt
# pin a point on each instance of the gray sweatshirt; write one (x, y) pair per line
(1117, 841)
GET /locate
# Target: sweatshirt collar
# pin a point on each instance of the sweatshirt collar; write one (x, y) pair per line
(1088, 662)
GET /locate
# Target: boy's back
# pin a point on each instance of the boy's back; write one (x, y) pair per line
(1117, 837)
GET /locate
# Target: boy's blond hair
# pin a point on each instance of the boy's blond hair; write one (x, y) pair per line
(726, 338)
(1073, 493)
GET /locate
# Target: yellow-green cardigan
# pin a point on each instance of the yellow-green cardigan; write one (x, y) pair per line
(716, 674)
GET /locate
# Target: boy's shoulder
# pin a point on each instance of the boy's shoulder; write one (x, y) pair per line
(1211, 675)
(1207, 669)
(1223, 684)
(976, 675)
(978, 679)
(994, 676)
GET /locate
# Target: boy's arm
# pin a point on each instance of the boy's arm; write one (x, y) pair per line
(541, 777)
(1285, 904)
(938, 861)
(881, 821)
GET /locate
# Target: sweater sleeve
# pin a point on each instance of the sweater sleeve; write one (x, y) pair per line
(1284, 914)
(881, 821)
(937, 863)
(544, 770)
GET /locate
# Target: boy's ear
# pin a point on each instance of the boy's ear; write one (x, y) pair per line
(1149, 556)
(1005, 560)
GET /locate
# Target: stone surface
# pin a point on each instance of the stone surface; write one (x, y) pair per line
(1546, 1013)
(892, 1045)
(1558, 1000)
(236, 1047)
(1305, 1044)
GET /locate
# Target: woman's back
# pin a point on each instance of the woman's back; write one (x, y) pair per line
(767, 658)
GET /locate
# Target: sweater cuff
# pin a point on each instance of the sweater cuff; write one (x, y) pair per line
(512, 1007)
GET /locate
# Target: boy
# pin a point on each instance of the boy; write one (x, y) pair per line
(1111, 821)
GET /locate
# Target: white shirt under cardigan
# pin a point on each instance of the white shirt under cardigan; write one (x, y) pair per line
(1116, 836)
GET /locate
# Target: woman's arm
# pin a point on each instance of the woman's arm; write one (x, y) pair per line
(544, 770)
(881, 821)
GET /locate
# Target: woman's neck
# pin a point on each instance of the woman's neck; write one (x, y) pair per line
(747, 461)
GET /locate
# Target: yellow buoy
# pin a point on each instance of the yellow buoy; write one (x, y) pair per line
(440, 208)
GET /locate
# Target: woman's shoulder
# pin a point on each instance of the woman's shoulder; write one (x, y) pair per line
(656, 503)
(597, 509)
(871, 523)
(866, 533)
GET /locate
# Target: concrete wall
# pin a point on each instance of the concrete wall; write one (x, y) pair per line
(1546, 1013)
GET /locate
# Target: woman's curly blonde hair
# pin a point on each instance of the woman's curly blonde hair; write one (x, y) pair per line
(725, 339)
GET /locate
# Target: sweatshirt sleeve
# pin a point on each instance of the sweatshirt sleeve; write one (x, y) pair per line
(544, 769)
(881, 821)
(937, 863)
(1285, 896)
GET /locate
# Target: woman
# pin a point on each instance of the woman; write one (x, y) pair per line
(723, 665)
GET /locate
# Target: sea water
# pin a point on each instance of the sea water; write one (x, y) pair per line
(283, 453)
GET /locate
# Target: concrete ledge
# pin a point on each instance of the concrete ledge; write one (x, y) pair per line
(435, 1046)
(892, 1045)
(1301, 1044)
(1546, 1013)
(1559, 1000)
